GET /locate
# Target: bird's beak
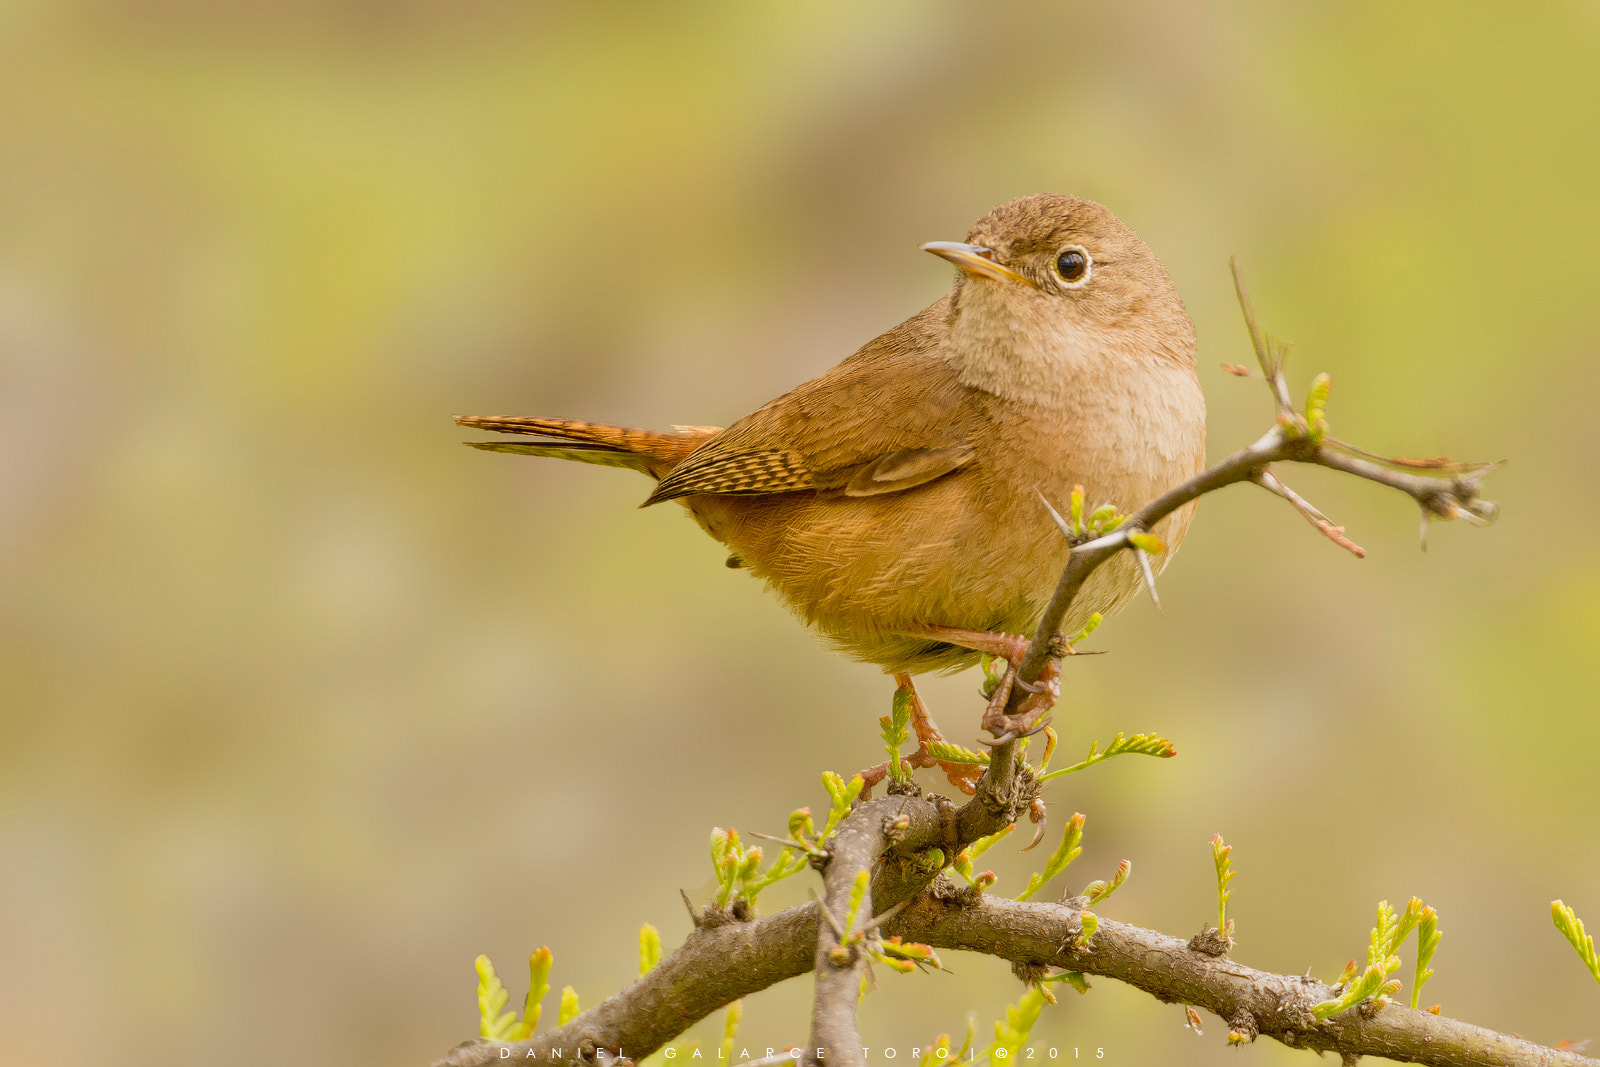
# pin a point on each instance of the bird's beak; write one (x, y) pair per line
(975, 261)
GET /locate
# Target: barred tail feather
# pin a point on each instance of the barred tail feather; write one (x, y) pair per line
(604, 456)
(651, 451)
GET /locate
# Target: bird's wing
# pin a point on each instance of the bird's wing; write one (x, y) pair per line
(891, 417)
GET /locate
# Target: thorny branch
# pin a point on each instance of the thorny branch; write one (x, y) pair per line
(721, 962)
(725, 959)
(1441, 489)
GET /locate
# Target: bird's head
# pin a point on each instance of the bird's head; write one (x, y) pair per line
(1054, 284)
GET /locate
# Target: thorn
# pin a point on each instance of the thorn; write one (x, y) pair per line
(826, 914)
(1061, 524)
(787, 842)
(1149, 575)
(886, 916)
(1425, 518)
(1038, 835)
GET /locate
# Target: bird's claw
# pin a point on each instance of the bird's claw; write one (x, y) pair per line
(1031, 716)
(1036, 815)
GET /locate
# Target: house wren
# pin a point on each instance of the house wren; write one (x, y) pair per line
(893, 502)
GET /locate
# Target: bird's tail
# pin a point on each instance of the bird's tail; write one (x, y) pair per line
(653, 452)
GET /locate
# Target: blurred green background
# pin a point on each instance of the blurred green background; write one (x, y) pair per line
(303, 705)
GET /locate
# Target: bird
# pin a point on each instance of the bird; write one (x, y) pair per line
(896, 503)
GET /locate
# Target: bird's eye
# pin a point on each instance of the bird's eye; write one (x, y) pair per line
(1072, 266)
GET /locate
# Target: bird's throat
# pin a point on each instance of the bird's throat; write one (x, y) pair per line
(1019, 357)
(1032, 353)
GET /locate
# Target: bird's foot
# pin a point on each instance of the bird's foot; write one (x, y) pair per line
(1030, 714)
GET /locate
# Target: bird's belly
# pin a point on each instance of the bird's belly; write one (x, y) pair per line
(870, 572)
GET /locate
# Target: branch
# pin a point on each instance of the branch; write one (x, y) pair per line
(862, 837)
(1251, 1002)
(1455, 497)
(719, 964)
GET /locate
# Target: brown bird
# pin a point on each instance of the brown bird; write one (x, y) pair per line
(894, 502)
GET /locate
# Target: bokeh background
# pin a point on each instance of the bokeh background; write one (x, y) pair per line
(303, 705)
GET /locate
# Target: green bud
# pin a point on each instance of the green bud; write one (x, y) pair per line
(569, 1006)
(1091, 923)
(833, 784)
(649, 948)
(800, 825)
(858, 891)
(750, 865)
(730, 1030)
(1317, 408)
(1149, 542)
(1101, 515)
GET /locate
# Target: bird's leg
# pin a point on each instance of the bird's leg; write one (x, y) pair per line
(961, 775)
(1011, 647)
